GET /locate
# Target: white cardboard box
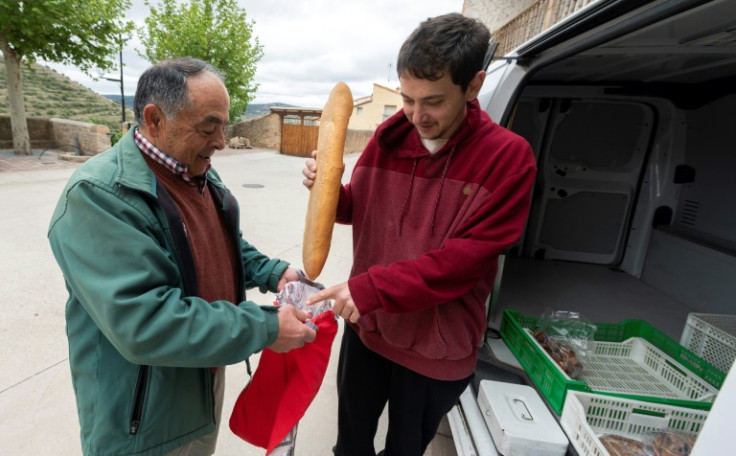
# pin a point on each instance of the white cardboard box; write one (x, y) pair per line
(519, 422)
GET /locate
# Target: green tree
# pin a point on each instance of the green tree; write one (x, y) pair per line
(84, 33)
(216, 31)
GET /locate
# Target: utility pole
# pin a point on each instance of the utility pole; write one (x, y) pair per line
(122, 85)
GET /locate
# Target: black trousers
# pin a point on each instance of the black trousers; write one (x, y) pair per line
(366, 381)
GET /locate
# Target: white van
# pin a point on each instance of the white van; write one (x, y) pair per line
(630, 108)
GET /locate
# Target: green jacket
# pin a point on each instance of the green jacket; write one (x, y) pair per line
(141, 343)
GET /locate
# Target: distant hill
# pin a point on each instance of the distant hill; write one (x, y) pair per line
(116, 98)
(253, 110)
(261, 109)
(48, 93)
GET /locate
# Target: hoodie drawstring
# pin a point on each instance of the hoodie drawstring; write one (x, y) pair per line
(407, 200)
(405, 209)
(442, 184)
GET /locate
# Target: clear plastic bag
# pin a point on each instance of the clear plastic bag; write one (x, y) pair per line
(566, 336)
(669, 443)
(652, 443)
(296, 294)
(618, 445)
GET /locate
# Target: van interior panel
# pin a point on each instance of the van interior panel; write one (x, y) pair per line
(632, 212)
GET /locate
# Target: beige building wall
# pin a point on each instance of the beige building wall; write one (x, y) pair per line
(495, 13)
(370, 111)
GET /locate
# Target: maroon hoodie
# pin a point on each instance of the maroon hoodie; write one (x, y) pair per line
(427, 233)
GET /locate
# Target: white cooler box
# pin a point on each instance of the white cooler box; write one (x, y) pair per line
(519, 422)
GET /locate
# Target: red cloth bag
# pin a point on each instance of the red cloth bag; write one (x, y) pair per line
(282, 388)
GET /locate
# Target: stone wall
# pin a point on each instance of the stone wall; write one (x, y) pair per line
(39, 129)
(356, 140)
(513, 22)
(48, 133)
(93, 138)
(262, 132)
(497, 13)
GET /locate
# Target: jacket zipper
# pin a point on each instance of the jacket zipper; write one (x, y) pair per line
(138, 397)
(212, 389)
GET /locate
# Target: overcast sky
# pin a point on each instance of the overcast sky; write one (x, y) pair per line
(308, 46)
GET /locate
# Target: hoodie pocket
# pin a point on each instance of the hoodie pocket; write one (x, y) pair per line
(437, 333)
(139, 396)
(418, 332)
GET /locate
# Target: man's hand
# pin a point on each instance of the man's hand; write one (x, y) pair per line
(293, 333)
(342, 305)
(289, 275)
(310, 170)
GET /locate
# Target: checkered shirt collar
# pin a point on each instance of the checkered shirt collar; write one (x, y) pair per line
(169, 162)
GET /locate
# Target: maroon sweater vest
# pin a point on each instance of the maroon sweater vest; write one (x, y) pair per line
(212, 245)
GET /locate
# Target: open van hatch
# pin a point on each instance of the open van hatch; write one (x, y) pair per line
(630, 108)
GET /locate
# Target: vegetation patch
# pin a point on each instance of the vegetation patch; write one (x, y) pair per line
(48, 93)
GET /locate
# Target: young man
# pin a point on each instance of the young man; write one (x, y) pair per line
(439, 192)
(148, 240)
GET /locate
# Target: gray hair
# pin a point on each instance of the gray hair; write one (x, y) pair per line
(165, 85)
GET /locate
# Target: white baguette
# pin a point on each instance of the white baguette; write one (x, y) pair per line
(325, 191)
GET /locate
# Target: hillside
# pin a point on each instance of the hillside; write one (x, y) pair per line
(48, 93)
(51, 94)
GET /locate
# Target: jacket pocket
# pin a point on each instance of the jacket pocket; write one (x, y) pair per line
(138, 397)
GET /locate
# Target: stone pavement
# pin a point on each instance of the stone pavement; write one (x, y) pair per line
(38, 160)
(37, 410)
(58, 159)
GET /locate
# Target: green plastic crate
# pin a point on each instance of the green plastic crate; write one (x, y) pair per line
(553, 383)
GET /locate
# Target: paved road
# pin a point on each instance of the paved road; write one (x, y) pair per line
(37, 410)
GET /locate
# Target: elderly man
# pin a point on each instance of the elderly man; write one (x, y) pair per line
(148, 239)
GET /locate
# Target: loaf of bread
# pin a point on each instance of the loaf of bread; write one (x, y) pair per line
(325, 192)
(670, 443)
(561, 353)
(617, 445)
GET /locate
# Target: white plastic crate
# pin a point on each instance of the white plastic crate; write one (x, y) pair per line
(712, 337)
(635, 367)
(587, 416)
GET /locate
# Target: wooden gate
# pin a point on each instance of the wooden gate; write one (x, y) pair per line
(299, 130)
